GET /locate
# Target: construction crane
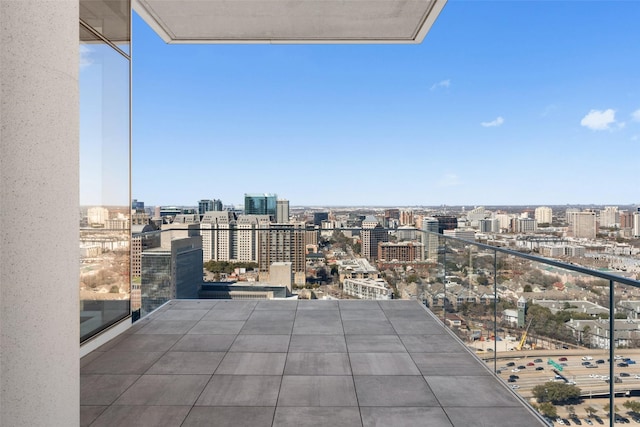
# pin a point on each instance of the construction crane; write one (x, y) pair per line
(524, 337)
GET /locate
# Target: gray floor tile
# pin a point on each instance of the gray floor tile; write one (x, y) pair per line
(317, 417)
(486, 417)
(216, 327)
(355, 304)
(318, 315)
(317, 305)
(122, 362)
(462, 363)
(382, 364)
(256, 327)
(469, 391)
(277, 305)
(374, 344)
(317, 343)
(367, 327)
(197, 304)
(84, 361)
(362, 315)
(175, 314)
(151, 342)
(405, 417)
(252, 364)
(394, 390)
(317, 364)
(204, 343)
(103, 389)
(261, 343)
(438, 343)
(189, 362)
(240, 314)
(272, 315)
(315, 327)
(159, 326)
(164, 390)
(220, 416)
(409, 315)
(415, 327)
(401, 305)
(302, 390)
(241, 390)
(236, 305)
(142, 416)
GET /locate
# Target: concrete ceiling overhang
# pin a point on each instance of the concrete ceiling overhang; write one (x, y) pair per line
(290, 21)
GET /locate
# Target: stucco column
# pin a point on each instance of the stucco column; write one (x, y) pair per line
(39, 213)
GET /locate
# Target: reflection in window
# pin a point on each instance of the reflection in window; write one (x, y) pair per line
(104, 213)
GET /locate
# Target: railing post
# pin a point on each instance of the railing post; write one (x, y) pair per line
(612, 343)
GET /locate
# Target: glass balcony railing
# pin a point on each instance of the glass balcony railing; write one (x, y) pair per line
(542, 326)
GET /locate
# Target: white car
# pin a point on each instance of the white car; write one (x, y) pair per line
(587, 358)
(515, 370)
(636, 376)
(559, 421)
(515, 386)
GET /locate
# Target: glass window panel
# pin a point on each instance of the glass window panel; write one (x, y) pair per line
(111, 18)
(104, 187)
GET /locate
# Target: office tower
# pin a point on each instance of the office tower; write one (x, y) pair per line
(406, 232)
(260, 204)
(282, 211)
(392, 214)
(97, 216)
(610, 217)
(583, 224)
(446, 222)
(476, 214)
(636, 224)
(318, 217)
(246, 236)
(205, 205)
(217, 231)
(543, 215)
(137, 206)
(372, 233)
(430, 240)
(569, 214)
(282, 243)
(489, 225)
(173, 270)
(525, 225)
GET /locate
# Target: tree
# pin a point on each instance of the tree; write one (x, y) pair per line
(556, 393)
(571, 410)
(590, 410)
(548, 409)
(607, 408)
(527, 288)
(632, 405)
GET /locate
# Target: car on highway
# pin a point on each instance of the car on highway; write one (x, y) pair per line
(563, 359)
(587, 358)
(515, 377)
(522, 367)
(636, 376)
(511, 364)
(515, 370)
(511, 380)
(531, 364)
(623, 365)
(592, 366)
(586, 363)
(538, 360)
(624, 374)
(600, 361)
(539, 368)
(515, 386)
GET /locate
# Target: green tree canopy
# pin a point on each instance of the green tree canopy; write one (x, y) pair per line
(556, 392)
(548, 409)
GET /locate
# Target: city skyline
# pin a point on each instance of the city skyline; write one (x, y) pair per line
(504, 103)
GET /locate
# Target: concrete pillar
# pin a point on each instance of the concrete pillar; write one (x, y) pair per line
(39, 255)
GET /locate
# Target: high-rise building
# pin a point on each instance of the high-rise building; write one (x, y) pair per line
(173, 270)
(406, 217)
(583, 224)
(636, 224)
(282, 243)
(446, 222)
(525, 225)
(217, 231)
(430, 240)
(246, 239)
(543, 215)
(626, 219)
(371, 234)
(401, 251)
(205, 205)
(318, 217)
(282, 211)
(97, 216)
(261, 204)
(610, 217)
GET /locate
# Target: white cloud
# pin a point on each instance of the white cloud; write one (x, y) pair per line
(497, 122)
(449, 180)
(444, 83)
(599, 120)
(636, 116)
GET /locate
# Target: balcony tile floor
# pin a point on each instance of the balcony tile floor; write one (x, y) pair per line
(292, 363)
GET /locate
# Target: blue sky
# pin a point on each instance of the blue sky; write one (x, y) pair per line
(505, 102)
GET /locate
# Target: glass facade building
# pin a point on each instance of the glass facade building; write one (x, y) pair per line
(260, 204)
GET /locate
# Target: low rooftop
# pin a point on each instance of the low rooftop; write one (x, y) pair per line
(292, 363)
